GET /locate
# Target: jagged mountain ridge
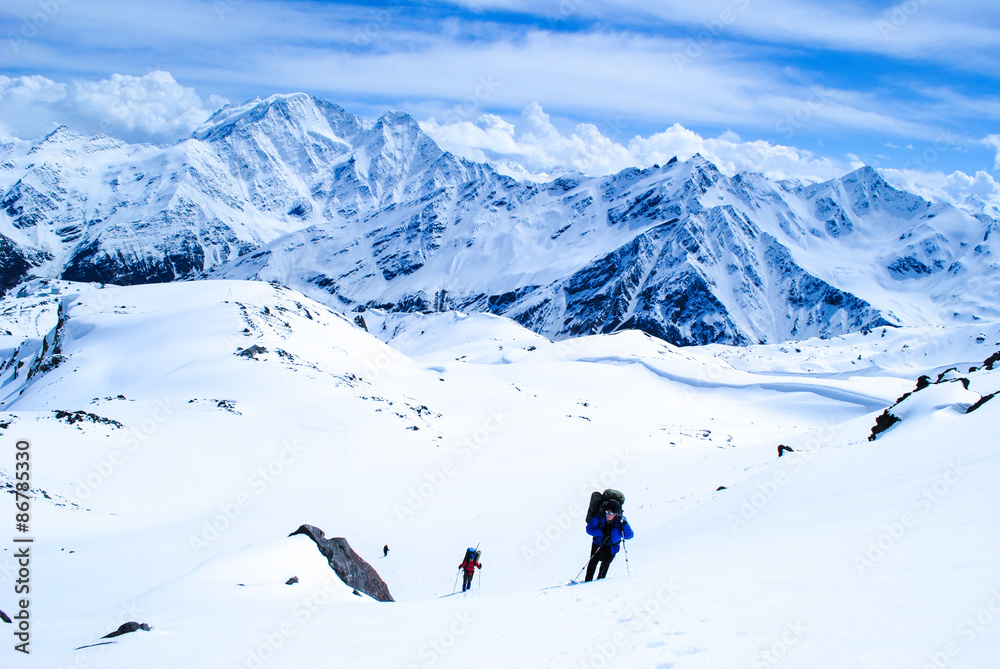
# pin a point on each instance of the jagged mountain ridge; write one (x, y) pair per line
(374, 214)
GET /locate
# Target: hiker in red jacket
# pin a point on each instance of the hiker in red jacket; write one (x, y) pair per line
(469, 565)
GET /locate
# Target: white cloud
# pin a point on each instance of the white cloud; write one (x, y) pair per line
(150, 108)
(954, 188)
(534, 143)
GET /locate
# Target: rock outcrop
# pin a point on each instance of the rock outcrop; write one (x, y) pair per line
(349, 566)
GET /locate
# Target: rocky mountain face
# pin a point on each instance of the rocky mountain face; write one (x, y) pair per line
(363, 214)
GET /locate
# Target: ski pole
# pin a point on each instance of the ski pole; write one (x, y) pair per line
(591, 558)
(625, 546)
(455, 587)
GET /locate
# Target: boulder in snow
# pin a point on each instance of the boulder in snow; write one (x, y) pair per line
(348, 565)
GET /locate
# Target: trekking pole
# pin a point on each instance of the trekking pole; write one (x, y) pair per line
(591, 558)
(455, 587)
(625, 546)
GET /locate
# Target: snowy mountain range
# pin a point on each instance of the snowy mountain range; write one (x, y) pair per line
(359, 215)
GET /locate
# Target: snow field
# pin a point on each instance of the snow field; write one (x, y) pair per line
(843, 553)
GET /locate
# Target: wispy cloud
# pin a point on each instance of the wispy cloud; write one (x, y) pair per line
(915, 29)
(838, 79)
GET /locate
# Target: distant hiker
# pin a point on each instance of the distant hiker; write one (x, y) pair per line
(608, 527)
(385, 550)
(782, 449)
(469, 565)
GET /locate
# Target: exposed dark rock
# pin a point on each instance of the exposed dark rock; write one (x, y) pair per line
(73, 417)
(253, 351)
(5, 618)
(782, 449)
(229, 406)
(909, 267)
(883, 423)
(127, 628)
(292, 581)
(348, 565)
(14, 264)
(982, 400)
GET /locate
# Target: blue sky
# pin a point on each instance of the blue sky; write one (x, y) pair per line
(796, 88)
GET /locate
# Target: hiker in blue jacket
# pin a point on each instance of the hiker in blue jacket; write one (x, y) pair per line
(608, 528)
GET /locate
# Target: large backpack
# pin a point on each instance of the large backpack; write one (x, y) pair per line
(472, 555)
(602, 501)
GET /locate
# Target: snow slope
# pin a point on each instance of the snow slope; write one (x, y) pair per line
(170, 501)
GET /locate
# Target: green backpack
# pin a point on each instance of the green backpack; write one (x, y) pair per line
(602, 501)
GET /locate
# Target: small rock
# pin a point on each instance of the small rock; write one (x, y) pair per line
(292, 581)
(253, 351)
(127, 628)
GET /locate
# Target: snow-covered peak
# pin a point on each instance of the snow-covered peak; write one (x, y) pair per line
(296, 114)
(398, 138)
(866, 191)
(60, 135)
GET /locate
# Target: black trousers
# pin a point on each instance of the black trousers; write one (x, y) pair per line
(599, 553)
(466, 580)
